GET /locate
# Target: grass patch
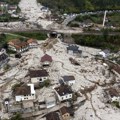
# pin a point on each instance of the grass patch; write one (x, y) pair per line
(98, 41)
(34, 35)
(113, 19)
(10, 37)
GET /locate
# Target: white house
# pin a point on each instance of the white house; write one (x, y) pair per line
(105, 53)
(50, 101)
(32, 43)
(63, 92)
(18, 46)
(38, 76)
(46, 60)
(25, 92)
(73, 50)
(69, 80)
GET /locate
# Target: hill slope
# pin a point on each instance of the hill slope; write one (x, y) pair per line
(81, 5)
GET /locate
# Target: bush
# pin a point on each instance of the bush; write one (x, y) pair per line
(116, 103)
(6, 67)
(46, 83)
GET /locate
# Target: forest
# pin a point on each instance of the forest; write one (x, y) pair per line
(12, 2)
(76, 6)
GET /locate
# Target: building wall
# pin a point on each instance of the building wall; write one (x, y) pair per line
(18, 50)
(65, 97)
(66, 116)
(46, 63)
(38, 79)
(71, 82)
(21, 97)
(33, 45)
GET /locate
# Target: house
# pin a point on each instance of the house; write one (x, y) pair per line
(50, 101)
(18, 46)
(38, 76)
(3, 58)
(63, 92)
(46, 60)
(25, 92)
(32, 43)
(44, 9)
(66, 112)
(114, 94)
(105, 53)
(73, 50)
(69, 80)
(53, 116)
(12, 8)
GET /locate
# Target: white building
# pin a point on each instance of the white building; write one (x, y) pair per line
(18, 46)
(105, 53)
(46, 60)
(38, 76)
(25, 92)
(63, 92)
(32, 43)
(69, 80)
(50, 101)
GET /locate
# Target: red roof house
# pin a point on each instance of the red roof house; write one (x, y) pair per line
(46, 57)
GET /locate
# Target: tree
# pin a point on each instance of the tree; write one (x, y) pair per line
(17, 116)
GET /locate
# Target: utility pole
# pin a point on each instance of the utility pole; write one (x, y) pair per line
(104, 19)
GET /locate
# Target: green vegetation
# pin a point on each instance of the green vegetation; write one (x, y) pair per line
(34, 35)
(73, 24)
(99, 41)
(8, 18)
(6, 67)
(116, 104)
(11, 37)
(17, 116)
(69, 6)
(113, 19)
(12, 2)
(46, 83)
(93, 18)
(15, 86)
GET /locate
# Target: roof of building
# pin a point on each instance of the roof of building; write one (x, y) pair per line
(113, 92)
(32, 41)
(106, 51)
(23, 90)
(74, 48)
(3, 57)
(63, 90)
(52, 116)
(17, 43)
(14, 42)
(38, 73)
(64, 110)
(68, 78)
(46, 57)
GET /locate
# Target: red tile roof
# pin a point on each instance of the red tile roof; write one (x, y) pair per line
(46, 57)
(31, 41)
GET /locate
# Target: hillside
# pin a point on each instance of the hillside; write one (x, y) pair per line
(80, 5)
(11, 1)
